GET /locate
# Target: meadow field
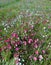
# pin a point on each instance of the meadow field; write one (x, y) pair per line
(25, 32)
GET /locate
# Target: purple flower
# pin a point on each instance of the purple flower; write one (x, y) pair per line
(17, 49)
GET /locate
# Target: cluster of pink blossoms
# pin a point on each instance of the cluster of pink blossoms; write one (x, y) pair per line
(30, 44)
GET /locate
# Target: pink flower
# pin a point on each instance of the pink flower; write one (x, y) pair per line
(43, 51)
(17, 49)
(12, 42)
(31, 26)
(30, 41)
(0, 39)
(16, 55)
(49, 27)
(36, 40)
(0, 30)
(9, 46)
(25, 31)
(8, 40)
(30, 57)
(14, 35)
(35, 58)
(32, 34)
(18, 42)
(25, 43)
(15, 44)
(25, 38)
(36, 52)
(17, 62)
(35, 46)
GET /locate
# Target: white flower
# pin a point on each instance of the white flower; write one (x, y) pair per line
(44, 28)
(23, 60)
(49, 43)
(40, 57)
(19, 64)
(16, 58)
(4, 28)
(43, 36)
(19, 59)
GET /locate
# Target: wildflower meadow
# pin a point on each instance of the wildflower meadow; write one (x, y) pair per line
(25, 32)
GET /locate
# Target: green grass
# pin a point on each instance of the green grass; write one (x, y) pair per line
(43, 7)
(11, 10)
